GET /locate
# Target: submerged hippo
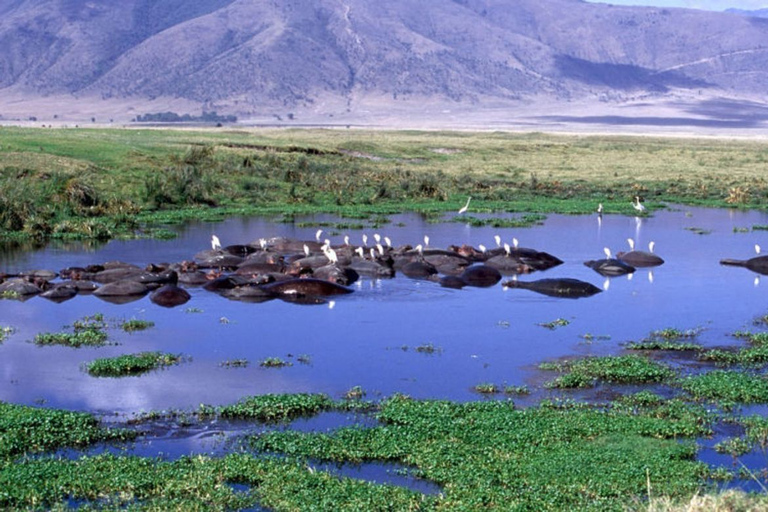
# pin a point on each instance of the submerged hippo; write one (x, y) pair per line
(757, 264)
(565, 287)
(481, 276)
(305, 287)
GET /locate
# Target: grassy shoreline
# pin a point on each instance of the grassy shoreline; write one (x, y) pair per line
(105, 183)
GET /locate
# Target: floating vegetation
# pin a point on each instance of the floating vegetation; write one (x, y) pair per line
(517, 390)
(5, 332)
(131, 364)
(727, 386)
(673, 334)
(589, 338)
(193, 310)
(734, 446)
(525, 221)
(662, 345)
(304, 359)
(757, 339)
(584, 373)
(470, 448)
(740, 230)
(235, 363)
(273, 408)
(760, 227)
(746, 356)
(136, 325)
(554, 324)
(699, 231)
(10, 295)
(486, 388)
(428, 348)
(355, 393)
(88, 331)
(274, 362)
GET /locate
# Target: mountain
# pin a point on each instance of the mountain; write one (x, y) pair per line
(758, 13)
(261, 57)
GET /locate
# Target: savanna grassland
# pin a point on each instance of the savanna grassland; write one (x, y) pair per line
(635, 452)
(104, 183)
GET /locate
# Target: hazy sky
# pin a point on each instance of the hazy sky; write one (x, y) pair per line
(713, 5)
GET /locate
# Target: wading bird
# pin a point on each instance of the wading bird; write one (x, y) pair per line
(637, 205)
(464, 208)
(215, 243)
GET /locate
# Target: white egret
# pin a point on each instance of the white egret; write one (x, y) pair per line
(507, 248)
(651, 244)
(607, 252)
(514, 242)
(365, 240)
(346, 239)
(464, 208)
(306, 250)
(637, 205)
(263, 243)
(380, 248)
(482, 248)
(426, 241)
(599, 208)
(215, 243)
(631, 244)
(388, 241)
(498, 240)
(377, 237)
(317, 235)
(757, 249)
(360, 252)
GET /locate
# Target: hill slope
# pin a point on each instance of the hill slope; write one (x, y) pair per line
(252, 56)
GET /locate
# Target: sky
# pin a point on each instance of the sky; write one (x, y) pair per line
(712, 5)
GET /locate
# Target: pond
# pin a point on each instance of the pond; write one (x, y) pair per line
(391, 335)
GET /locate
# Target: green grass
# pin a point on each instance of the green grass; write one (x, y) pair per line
(274, 362)
(64, 183)
(584, 373)
(131, 364)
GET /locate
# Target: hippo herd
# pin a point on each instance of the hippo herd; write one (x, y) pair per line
(311, 272)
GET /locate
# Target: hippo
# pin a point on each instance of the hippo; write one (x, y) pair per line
(60, 292)
(125, 287)
(481, 276)
(565, 287)
(610, 267)
(305, 287)
(640, 259)
(452, 282)
(20, 287)
(336, 274)
(371, 268)
(757, 264)
(110, 275)
(169, 296)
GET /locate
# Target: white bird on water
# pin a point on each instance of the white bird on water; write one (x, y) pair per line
(498, 240)
(464, 208)
(365, 240)
(600, 209)
(426, 241)
(637, 205)
(215, 243)
(651, 244)
(631, 244)
(607, 252)
(757, 249)
(317, 235)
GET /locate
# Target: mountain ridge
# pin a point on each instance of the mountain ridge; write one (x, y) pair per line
(259, 57)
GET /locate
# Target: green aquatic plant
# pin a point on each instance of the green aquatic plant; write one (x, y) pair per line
(271, 408)
(517, 390)
(629, 369)
(486, 388)
(554, 324)
(234, 363)
(131, 364)
(274, 362)
(84, 337)
(5, 332)
(355, 393)
(727, 386)
(134, 325)
(662, 344)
